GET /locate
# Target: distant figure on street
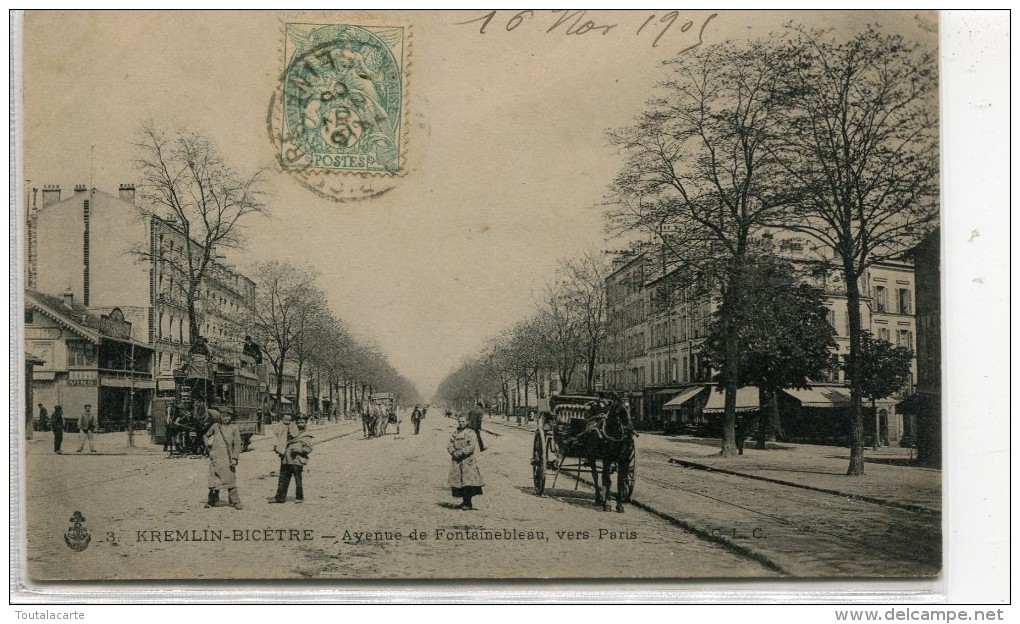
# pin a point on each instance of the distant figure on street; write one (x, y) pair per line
(87, 426)
(295, 457)
(224, 443)
(416, 417)
(465, 479)
(58, 428)
(43, 418)
(475, 420)
(170, 429)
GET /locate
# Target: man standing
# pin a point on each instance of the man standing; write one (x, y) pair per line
(87, 425)
(416, 417)
(475, 422)
(58, 428)
(42, 418)
(293, 463)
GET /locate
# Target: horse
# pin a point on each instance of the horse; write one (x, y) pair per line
(368, 423)
(607, 442)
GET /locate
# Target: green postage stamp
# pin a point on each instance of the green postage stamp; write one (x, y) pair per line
(343, 98)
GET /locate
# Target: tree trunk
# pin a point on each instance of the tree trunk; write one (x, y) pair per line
(763, 417)
(775, 423)
(856, 416)
(193, 328)
(878, 425)
(590, 373)
(729, 437)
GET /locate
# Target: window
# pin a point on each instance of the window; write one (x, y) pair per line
(29, 316)
(903, 300)
(883, 333)
(881, 305)
(79, 354)
(905, 338)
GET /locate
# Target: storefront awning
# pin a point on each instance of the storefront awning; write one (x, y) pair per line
(747, 399)
(820, 396)
(678, 401)
(830, 396)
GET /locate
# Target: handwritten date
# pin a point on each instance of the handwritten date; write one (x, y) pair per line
(575, 22)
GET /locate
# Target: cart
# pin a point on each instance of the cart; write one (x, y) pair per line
(572, 437)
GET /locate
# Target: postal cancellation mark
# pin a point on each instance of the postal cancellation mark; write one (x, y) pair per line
(342, 104)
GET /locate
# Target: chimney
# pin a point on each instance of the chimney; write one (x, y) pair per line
(50, 194)
(79, 189)
(127, 193)
(68, 298)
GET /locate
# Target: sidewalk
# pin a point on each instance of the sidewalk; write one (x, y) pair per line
(116, 442)
(889, 477)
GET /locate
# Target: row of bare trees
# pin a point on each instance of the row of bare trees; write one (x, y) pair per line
(835, 138)
(563, 338)
(186, 181)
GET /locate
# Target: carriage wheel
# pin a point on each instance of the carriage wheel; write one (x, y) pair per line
(538, 463)
(628, 474)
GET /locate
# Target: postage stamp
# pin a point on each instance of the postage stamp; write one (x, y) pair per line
(342, 98)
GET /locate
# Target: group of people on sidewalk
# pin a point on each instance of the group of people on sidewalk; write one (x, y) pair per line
(87, 425)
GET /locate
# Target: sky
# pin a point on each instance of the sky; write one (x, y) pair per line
(507, 156)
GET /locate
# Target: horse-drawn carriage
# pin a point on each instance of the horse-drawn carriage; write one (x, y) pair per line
(202, 384)
(593, 431)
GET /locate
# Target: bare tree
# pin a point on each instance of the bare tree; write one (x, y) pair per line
(585, 284)
(186, 180)
(699, 176)
(283, 291)
(861, 148)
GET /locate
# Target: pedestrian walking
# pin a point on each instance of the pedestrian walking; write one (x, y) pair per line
(43, 418)
(57, 425)
(416, 417)
(87, 426)
(465, 479)
(475, 420)
(224, 443)
(295, 458)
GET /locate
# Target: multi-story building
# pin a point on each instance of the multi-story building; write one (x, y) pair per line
(662, 345)
(106, 254)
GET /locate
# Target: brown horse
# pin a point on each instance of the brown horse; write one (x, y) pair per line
(607, 443)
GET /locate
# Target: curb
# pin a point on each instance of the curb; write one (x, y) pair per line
(859, 497)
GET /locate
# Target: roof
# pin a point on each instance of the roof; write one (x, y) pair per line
(76, 317)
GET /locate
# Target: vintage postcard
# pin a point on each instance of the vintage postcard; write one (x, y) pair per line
(482, 294)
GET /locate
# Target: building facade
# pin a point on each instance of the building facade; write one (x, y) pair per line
(658, 321)
(105, 255)
(88, 359)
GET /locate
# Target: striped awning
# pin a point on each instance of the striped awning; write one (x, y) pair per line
(677, 402)
(820, 396)
(747, 399)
